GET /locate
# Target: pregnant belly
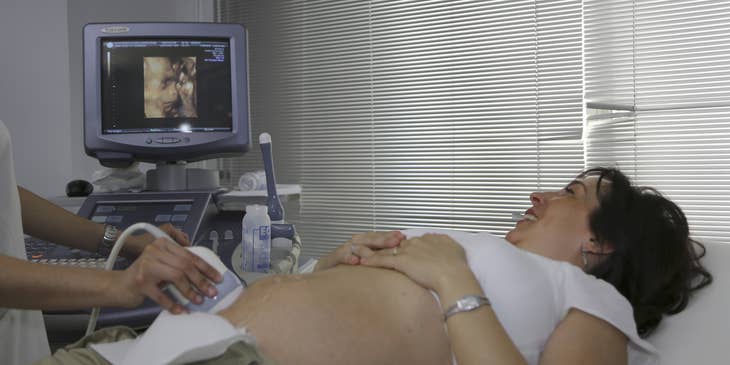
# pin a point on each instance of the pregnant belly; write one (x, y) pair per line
(345, 315)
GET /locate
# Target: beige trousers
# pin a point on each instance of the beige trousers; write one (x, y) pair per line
(79, 353)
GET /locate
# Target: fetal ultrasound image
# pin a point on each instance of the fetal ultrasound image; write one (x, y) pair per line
(170, 87)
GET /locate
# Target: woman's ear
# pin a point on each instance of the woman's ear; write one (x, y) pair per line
(593, 247)
(595, 250)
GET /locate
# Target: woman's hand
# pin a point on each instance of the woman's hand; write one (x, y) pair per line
(432, 260)
(359, 246)
(162, 262)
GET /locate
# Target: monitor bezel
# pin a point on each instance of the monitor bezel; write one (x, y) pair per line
(123, 149)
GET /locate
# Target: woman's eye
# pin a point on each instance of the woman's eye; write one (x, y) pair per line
(569, 191)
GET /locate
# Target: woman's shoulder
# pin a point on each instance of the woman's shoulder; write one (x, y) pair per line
(484, 249)
(600, 299)
(468, 240)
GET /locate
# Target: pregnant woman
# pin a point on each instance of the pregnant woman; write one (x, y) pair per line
(588, 270)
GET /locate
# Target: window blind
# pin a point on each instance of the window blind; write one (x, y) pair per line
(658, 96)
(404, 114)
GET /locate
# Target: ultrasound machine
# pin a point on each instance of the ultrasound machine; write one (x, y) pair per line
(168, 94)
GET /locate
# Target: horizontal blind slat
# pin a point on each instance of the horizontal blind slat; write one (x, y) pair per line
(671, 62)
(416, 113)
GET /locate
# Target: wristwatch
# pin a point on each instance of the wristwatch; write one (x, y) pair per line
(107, 242)
(465, 304)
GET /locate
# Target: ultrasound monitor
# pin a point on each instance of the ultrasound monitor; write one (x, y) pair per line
(166, 93)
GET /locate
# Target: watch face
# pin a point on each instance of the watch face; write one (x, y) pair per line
(465, 304)
(469, 303)
(110, 232)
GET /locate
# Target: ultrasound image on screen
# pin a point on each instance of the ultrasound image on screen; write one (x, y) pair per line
(166, 85)
(169, 87)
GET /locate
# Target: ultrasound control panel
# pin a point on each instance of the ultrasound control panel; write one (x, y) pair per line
(185, 210)
(193, 212)
(44, 252)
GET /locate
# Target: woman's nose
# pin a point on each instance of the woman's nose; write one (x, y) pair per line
(541, 197)
(537, 198)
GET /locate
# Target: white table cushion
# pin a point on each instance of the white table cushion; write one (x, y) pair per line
(700, 333)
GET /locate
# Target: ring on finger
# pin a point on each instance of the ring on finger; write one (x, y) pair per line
(395, 250)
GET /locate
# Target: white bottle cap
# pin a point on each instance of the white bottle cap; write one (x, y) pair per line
(264, 138)
(257, 208)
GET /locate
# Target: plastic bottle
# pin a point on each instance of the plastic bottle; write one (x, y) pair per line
(256, 239)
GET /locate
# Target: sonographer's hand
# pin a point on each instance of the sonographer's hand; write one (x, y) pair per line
(163, 262)
(137, 243)
(359, 246)
(179, 236)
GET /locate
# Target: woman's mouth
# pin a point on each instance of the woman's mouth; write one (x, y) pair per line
(526, 216)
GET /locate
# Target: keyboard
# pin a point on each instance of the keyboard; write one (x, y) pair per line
(44, 252)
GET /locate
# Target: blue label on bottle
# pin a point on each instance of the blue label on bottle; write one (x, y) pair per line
(264, 232)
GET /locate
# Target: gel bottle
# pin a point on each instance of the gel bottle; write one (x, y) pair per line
(256, 239)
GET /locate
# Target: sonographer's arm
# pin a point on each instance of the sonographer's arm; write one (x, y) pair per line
(47, 221)
(50, 287)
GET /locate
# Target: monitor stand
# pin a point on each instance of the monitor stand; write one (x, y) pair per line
(169, 176)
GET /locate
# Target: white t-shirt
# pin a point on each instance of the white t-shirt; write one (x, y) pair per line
(531, 294)
(22, 332)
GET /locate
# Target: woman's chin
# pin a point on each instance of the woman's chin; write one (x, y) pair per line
(512, 237)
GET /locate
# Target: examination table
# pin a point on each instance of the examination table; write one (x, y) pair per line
(701, 333)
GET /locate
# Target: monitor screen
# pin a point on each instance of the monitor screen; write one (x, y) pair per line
(161, 92)
(185, 85)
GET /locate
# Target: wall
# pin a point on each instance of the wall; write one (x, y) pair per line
(41, 79)
(34, 91)
(81, 12)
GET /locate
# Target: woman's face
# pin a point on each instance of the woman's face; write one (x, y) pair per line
(557, 224)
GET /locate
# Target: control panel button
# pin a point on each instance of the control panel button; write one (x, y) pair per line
(114, 219)
(105, 209)
(182, 207)
(162, 218)
(167, 140)
(179, 217)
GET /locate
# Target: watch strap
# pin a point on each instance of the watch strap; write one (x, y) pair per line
(107, 241)
(466, 303)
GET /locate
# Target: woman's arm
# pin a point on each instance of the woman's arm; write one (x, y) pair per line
(581, 338)
(471, 333)
(360, 245)
(437, 262)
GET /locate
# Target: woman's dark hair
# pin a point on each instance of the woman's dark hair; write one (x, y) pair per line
(654, 263)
